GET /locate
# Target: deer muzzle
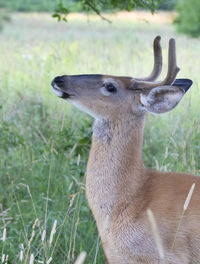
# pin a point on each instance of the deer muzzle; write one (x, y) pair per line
(60, 87)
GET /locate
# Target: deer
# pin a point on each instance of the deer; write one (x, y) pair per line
(119, 187)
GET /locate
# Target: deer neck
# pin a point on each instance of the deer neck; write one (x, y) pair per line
(115, 170)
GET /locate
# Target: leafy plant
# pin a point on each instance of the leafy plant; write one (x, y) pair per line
(61, 12)
(4, 16)
(188, 20)
(167, 4)
(98, 5)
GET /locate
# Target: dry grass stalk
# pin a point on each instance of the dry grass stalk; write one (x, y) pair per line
(6, 259)
(186, 204)
(187, 201)
(3, 258)
(43, 235)
(31, 239)
(40, 261)
(4, 235)
(53, 231)
(81, 258)
(49, 260)
(156, 233)
(31, 259)
(21, 253)
(48, 187)
(74, 239)
(78, 160)
(61, 226)
(189, 196)
(157, 165)
(70, 255)
(18, 207)
(166, 152)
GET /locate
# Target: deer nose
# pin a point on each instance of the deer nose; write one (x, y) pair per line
(59, 80)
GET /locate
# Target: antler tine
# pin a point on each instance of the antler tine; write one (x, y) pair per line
(171, 73)
(157, 62)
(173, 69)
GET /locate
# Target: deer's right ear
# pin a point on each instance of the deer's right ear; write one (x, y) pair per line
(164, 98)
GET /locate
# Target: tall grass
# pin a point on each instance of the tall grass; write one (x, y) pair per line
(45, 141)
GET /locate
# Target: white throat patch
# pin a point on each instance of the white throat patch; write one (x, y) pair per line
(101, 128)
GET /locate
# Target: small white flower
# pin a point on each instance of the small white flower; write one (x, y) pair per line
(27, 56)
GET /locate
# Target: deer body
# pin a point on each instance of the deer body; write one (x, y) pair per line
(120, 193)
(119, 187)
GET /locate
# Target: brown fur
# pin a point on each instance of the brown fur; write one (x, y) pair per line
(119, 191)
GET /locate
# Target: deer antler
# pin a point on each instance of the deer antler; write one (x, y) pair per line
(171, 74)
(157, 62)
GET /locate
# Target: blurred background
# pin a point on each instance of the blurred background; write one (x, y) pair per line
(44, 141)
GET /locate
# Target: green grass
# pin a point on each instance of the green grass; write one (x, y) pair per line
(44, 141)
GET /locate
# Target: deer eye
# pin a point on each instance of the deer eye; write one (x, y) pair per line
(110, 88)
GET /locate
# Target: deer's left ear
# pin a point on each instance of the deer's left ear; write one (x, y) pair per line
(164, 98)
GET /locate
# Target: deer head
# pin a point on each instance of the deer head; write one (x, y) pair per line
(106, 96)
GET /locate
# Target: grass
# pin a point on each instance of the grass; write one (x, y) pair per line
(44, 141)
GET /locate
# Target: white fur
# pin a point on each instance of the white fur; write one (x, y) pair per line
(57, 90)
(101, 128)
(104, 91)
(56, 86)
(58, 93)
(144, 99)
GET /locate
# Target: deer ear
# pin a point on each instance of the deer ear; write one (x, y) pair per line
(164, 98)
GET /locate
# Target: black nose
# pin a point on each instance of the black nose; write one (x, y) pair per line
(59, 80)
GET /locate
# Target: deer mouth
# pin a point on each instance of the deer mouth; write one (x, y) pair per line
(59, 92)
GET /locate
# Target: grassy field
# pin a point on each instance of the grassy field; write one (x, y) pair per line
(44, 141)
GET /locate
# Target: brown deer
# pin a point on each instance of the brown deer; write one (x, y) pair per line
(119, 187)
